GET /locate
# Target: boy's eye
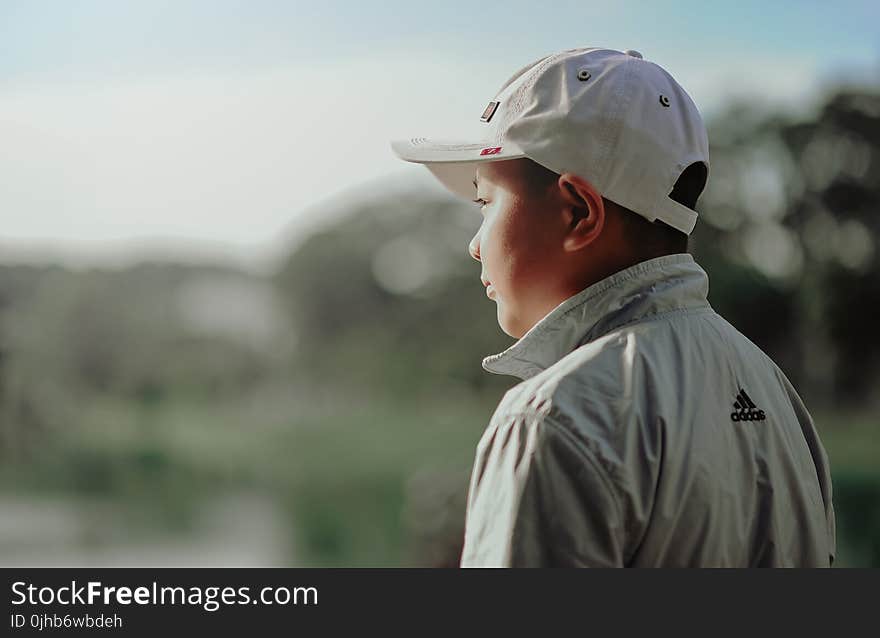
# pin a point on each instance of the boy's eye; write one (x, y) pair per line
(480, 201)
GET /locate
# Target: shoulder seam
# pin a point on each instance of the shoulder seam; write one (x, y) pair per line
(587, 456)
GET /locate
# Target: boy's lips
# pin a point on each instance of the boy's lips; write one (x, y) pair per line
(489, 288)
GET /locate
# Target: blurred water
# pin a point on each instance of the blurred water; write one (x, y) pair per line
(234, 530)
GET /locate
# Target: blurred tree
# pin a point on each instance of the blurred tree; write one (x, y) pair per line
(390, 299)
(788, 233)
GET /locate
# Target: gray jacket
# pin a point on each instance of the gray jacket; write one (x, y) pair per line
(647, 431)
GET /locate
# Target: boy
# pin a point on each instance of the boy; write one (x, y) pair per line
(646, 431)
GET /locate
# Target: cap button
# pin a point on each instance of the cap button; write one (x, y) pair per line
(633, 53)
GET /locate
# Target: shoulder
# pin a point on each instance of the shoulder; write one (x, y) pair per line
(593, 384)
(606, 395)
(597, 363)
(542, 443)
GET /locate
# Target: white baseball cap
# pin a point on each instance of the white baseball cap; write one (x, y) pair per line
(619, 121)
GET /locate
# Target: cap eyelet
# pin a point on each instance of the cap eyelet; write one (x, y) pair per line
(583, 75)
(664, 100)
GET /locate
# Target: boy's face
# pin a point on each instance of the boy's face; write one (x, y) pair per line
(518, 245)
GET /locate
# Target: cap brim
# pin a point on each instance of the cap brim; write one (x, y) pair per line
(454, 163)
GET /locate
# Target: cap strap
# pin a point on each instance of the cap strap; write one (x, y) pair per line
(677, 215)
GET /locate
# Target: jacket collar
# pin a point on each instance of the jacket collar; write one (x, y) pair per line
(647, 288)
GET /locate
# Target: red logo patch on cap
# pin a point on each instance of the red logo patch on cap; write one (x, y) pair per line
(494, 150)
(490, 111)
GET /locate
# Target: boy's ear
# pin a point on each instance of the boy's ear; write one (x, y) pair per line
(583, 210)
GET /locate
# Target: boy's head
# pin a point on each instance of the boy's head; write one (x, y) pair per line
(543, 236)
(588, 161)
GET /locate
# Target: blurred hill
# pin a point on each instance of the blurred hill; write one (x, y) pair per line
(346, 389)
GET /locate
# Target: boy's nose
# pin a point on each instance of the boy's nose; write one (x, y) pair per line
(474, 247)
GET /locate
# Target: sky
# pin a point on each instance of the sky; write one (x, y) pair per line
(221, 129)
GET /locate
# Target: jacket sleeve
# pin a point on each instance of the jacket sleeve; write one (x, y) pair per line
(539, 498)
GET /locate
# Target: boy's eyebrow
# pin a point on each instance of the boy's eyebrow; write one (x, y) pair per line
(475, 184)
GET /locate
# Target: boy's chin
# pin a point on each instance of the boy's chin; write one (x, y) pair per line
(510, 324)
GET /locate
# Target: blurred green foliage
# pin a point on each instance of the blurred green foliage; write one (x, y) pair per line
(347, 387)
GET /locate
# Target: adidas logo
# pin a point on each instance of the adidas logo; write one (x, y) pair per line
(745, 410)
